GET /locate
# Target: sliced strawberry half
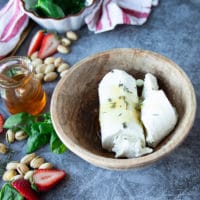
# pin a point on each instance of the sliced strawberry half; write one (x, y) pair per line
(1, 123)
(24, 188)
(36, 42)
(49, 45)
(45, 179)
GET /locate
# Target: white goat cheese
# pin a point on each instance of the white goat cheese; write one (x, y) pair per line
(121, 129)
(158, 116)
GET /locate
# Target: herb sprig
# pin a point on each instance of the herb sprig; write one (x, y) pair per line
(39, 129)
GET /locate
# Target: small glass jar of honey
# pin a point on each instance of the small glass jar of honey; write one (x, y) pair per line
(20, 91)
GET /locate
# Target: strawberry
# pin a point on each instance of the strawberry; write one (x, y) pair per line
(35, 42)
(1, 123)
(49, 45)
(24, 188)
(45, 179)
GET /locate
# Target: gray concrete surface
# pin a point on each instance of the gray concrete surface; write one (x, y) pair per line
(172, 30)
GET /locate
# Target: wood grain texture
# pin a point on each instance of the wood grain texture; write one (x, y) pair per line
(74, 105)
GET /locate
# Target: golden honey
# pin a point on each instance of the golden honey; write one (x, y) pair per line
(23, 93)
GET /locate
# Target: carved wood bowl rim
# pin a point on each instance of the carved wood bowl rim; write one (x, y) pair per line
(180, 132)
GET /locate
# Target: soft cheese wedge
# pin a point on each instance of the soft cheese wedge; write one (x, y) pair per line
(121, 129)
(159, 117)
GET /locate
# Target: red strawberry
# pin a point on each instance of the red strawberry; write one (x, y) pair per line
(45, 179)
(49, 45)
(1, 123)
(24, 188)
(36, 42)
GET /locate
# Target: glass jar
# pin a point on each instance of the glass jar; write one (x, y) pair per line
(20, 91)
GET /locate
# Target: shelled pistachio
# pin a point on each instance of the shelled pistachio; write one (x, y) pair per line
(9, 174)
(3, 148)
(28, 158)
(20, 135)
(10, 136)
(12, 165)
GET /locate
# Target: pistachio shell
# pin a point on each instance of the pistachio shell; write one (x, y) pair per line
(36, 162)
(72, 35)
(22, 168)
(20, 135)
(46, 166)
(63, 73)
(39, 76)
(49, 60)
(3, 148)
(12, 165)
(58, 61)
(10, 136)
(28, 174)
(40, 68)
(9, 174)
(63, 49)
(62, 67)
(65, 42)
(35, 62)
(49, 68)
(51, 76)
(28, 158)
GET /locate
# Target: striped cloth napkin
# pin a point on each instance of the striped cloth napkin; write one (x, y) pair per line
(108, 13)
(12, 23)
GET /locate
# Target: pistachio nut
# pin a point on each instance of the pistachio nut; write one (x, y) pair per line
(63, 73)
(22, 168)
(36, 61)
(51, 76)
(58, 61)
(46, 166)
(9, 174)
(10, 136)
(36, 162)
(63, 49)
(39, 76)
(28, 174)
(62, 67)
(65, 42)
(49, 68)
(3, 148)
(27, 158)
(49, 60)
(12, 165)
(72, 35)
(20, 135)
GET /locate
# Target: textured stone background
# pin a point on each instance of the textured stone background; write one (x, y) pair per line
(173, 30)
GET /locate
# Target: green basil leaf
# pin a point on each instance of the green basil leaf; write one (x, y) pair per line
(20, 120)
(56, 145)
(42, 128)
(36, 139)
(49, 9)
(9, 193)
(46, 117)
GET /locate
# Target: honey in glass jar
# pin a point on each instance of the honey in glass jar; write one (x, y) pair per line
(20, 91)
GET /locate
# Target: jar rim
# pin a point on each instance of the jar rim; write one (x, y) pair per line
(11, 62)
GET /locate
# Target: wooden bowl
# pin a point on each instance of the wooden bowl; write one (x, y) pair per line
(74, 106)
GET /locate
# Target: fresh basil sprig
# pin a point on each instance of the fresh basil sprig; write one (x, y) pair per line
(8, 192)
(39, 129)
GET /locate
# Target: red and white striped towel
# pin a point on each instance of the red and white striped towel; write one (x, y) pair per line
(12, 23)
(108, 13)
